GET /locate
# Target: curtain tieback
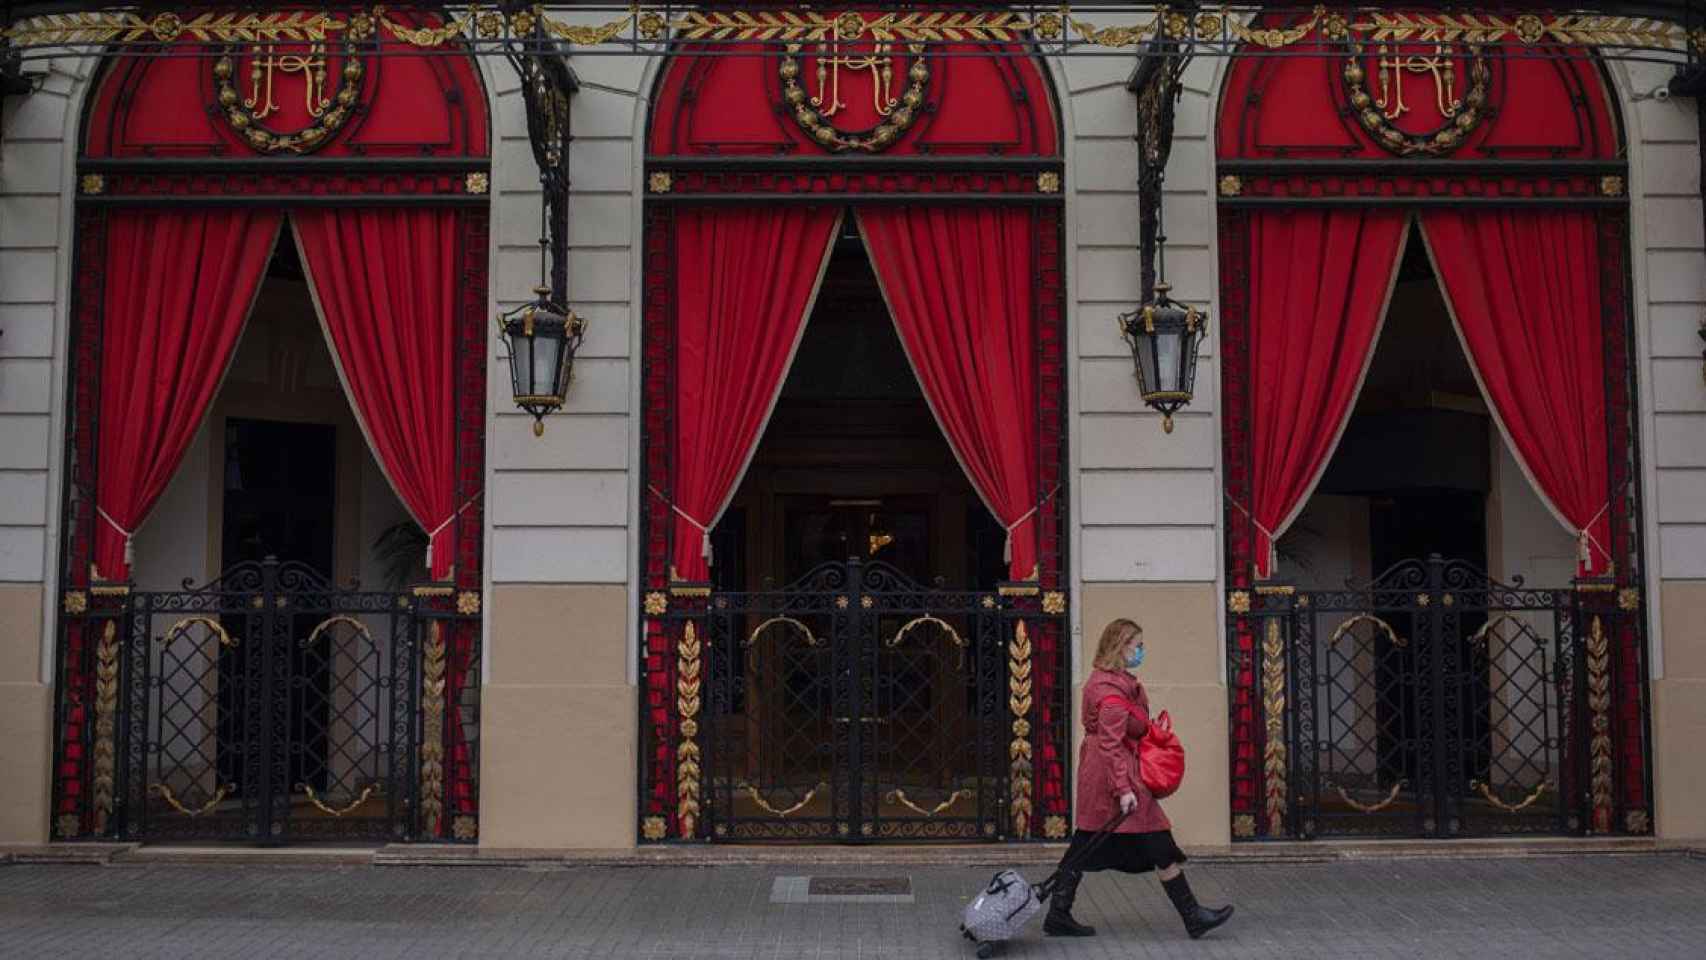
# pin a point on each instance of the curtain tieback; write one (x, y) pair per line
(1585, 541)
(129, 536)
(435, 531)
(704, 531)
(1007, 546)
(1273, 539)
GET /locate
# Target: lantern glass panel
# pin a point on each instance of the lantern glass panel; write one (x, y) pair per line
(1147, 363)
(547, 359)
(520, 362)
(1169, 343)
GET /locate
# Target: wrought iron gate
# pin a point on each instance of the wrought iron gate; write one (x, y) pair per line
(856, 704)
(270, 706)
(1435, 701)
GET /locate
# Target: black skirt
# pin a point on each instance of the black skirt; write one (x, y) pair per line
(1126, 852)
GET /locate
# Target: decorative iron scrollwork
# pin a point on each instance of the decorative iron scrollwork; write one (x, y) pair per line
(899, 796)
(765, 805)
(343, 811)
(218, 796)
(751, 638)
(1487, 793)
(1376, 807)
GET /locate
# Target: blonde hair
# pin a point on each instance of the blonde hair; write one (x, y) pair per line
(1114, 636)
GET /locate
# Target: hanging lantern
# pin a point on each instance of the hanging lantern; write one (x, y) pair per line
(542, 339)
(1164, 338)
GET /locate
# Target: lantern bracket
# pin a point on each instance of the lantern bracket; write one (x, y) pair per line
(547, 84)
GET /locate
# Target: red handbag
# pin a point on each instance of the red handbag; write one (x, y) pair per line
(1160, 755)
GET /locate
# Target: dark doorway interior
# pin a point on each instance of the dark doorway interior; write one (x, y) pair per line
(279, 502)
(852, 463)
(1418, 452)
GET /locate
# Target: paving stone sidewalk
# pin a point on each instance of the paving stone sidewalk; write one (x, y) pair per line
(1582, 906)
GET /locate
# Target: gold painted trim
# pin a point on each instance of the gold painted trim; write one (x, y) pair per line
(176, 630)
(1436, 143)
(333, 621)
(812, 26)
(171, 799)
(650, 23)
(953, 635)
(654, 828)
(660, 182)
(106, 710)
(899, 796)
(1048, 182)
(1486, 791)
(687, 703)
(345, 810)
(93, 184)
(1054, 602)
(1629, 598)
(1231, 185)
(1273, 707)
(1244, 825)
(1019, 704)
(464, 827)
(1599, 706)
(434, 591)
(432, 732)
(337, 109)
(657, 603)
(764, 804)
(1391, 798)
(1238, 602)
(75, 602)
(1345, 627)
(1479, 637)
(468, 602)
(1054, 827)
(811, 638)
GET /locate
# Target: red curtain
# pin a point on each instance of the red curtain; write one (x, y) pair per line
(1317, 296)
(1525, 294)
(385, 283)
(179, 287)
(746, 278)
(959, 284)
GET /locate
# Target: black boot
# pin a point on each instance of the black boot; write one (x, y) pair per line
(1198, 918)
(1059, 922)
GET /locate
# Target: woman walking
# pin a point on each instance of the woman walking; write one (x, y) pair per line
(1117, 710)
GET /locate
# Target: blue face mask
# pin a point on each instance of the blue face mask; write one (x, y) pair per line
(1135, 660)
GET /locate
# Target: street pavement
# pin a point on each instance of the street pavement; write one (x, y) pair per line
(1596, 906)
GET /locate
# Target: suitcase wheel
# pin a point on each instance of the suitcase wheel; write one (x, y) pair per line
(985, 951)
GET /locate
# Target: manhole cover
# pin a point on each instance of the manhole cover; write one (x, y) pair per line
(860, 886)
(841, 890)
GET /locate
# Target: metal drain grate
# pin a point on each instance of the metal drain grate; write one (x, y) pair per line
(860, 886)
(841, 890)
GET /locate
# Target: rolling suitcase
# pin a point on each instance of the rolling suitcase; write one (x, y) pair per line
(1009, 902)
